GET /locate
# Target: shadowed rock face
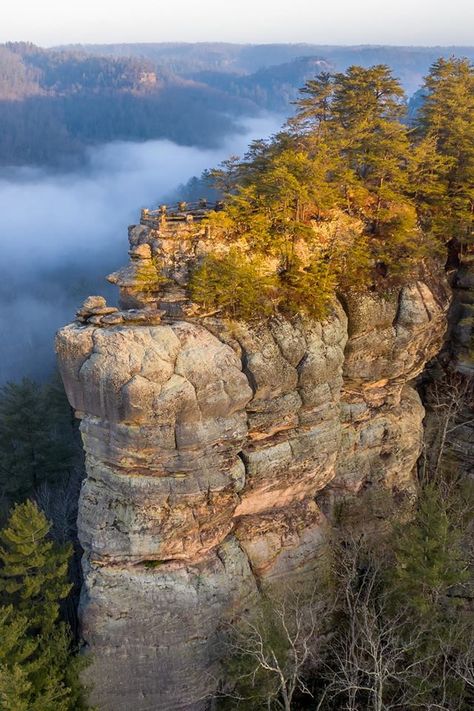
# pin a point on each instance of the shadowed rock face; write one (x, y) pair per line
(207, 444)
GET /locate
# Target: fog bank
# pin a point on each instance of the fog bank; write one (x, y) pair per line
(61, 233)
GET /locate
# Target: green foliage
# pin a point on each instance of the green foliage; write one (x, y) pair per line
(348, 164)
(234, 283)
(429, 559)
(38, 671)
(33, 569)
(31, 668)
(309, 290)
(36, 437)
(445, 127)
(354, 118)
(149, 277)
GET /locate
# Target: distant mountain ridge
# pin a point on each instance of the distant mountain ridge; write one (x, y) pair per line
(410, 64)
(54, 103)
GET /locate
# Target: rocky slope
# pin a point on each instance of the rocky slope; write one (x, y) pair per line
(208, 444)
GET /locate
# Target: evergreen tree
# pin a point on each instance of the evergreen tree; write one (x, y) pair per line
(16, 647)
(33, 569)
(234, 283)
(446, 121)
(38, 671)
(314, 107)
(14, 689)
(28, 678)
(368, 106)
(348, 153)
(429, 557)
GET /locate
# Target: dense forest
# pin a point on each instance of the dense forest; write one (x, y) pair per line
(55, 104)
(410, 64)
(40, 473)
(349, 195)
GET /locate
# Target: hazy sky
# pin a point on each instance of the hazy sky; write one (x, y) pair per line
(49, 22)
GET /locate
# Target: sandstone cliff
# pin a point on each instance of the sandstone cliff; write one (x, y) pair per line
(208, 445)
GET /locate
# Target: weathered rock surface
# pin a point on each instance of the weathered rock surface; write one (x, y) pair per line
(154, 631)
(448, 385)
(207, 446)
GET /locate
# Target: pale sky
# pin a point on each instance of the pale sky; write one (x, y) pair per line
(424, 22)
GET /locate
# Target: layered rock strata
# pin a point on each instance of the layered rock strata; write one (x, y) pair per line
(207, 446)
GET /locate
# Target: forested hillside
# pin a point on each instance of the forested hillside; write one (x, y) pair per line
(54, 104)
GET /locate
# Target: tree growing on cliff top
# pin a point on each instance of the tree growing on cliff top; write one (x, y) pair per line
(445, 127)
(358, 113)
(346, 152)
(234, 283)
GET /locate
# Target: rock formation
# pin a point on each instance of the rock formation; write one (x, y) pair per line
(208, 444)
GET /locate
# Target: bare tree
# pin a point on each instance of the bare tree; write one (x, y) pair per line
(376, 660)
(59, 503)
(463, 667)
(450, 401)
(278, 646)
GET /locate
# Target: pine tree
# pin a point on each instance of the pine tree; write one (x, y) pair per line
(16, 648)
(446, 120)
(38, 671)
(234, 283)
(33, 569)
(314, 105)
(347, 152)
(429, 557)
(368, 106)
(31, 673)
(15, 689)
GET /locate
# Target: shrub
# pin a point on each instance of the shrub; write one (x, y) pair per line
(235, 284)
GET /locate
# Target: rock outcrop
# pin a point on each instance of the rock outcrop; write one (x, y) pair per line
(208, 444)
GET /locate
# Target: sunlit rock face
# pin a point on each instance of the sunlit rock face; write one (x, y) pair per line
(208, 444)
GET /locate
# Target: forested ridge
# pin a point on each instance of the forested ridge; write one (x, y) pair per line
(54, 104)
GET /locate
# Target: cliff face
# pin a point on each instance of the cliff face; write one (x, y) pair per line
(208, 444)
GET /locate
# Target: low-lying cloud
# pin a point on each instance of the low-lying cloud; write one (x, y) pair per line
(61, 233)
